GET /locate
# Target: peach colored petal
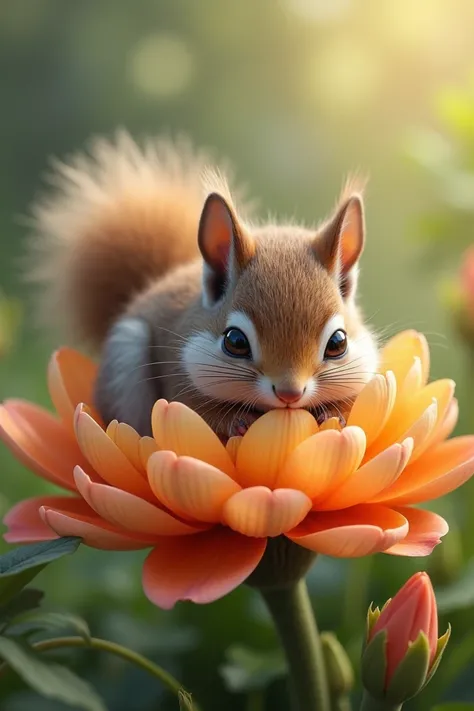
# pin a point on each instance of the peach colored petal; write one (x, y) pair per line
(128, 511)
(444, 428)
(267, 444)
(319, 463)
(425, 532)
(94, 531)
(189, 487)
(372, 478)
(332, 423)
(200, 568)
(374, 405)
(437, 472)
(146, 448)
(106, 458)
(25, 524)
(351, 533)
(399, 352)
(232, 447)
(71, 378)
(444, 398)
(181, 430)
(128, 441)
(413, 381)
(406, 415)
(417, 421)
(40, 442)
(421, 430)
(260, 512)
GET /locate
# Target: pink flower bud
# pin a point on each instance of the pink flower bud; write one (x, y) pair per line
(466, 276)
(411, 611)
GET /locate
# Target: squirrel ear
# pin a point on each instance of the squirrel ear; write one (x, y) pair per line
(341, 243)
(225, 248)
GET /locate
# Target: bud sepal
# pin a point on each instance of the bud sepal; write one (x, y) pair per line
(411, 674)
(442, 642)
(374, 665)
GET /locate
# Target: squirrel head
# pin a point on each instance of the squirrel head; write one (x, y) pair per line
(280, 326)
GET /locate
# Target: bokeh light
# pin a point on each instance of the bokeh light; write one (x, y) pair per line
(161, 65)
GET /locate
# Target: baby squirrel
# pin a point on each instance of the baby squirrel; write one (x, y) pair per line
(143, 253)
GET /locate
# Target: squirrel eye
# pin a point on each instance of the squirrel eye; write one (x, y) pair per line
(236, 343)
(337, 345)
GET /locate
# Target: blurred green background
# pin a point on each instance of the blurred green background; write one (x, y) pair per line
(295, 93)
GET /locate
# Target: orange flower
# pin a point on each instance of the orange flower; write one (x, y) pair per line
(207, 509)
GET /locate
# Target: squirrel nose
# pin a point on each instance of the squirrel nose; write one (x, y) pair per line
(288, 395)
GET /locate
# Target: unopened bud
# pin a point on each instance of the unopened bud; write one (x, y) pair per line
(403, 650)
(338, 666)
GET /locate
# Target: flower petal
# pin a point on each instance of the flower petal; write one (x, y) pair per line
(421, 430)
(40, 442)
(425, 532)
(25, 524)
(181, 430)
(146, 448)
(128, 441)
(267, 444)
(189, 487)
(232, 447)
(373, 477)
(444, 428)
(260, 512)
(128, 511)
(332, 423)
(323, 461)
(94, 531)
(437, 472)
(106, 458)
(412, 415)
(374, 405)
(351, 533)
(399, 352)
(71, 378)
(200, 568)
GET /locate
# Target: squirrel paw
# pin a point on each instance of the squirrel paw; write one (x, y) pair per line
(327, 415)
(240, 425)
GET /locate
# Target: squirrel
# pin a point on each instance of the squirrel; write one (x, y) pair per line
(145, 253)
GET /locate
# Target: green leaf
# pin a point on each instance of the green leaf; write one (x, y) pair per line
(52, 621)
(27, 599)
(20, 565)
(250, 670)
(454, 706)
(48, 679)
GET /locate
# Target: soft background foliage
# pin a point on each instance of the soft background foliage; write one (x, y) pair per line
(296, 93)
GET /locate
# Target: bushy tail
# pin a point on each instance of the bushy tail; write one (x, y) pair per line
(117, 218)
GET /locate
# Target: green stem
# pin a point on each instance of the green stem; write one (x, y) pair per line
(294, 619)
(371, 704)
(255, 701)
(113, 648)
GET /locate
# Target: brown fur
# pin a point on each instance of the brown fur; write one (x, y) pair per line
(115, 247)
(117, 219)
